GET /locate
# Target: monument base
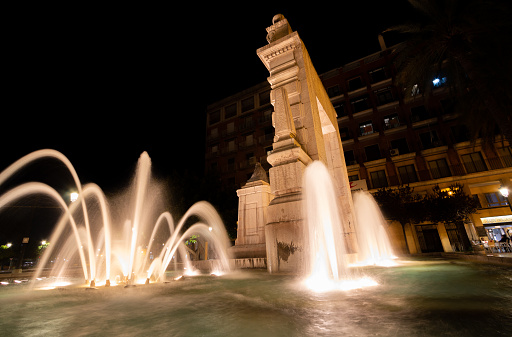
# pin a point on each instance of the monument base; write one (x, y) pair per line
(248, 251)
(285, 247)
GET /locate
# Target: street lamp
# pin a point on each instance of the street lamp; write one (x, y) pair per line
(505, 192)
(73, 196)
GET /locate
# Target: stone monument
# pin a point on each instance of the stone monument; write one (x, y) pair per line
(253, 200)
(306, 129)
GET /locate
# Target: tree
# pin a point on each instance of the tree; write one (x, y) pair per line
(467, 42)
(401, 205)
(451, 205)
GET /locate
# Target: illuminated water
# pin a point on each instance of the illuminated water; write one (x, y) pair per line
(138, 244)
(417, 298)
(372, 238)
(328, 264)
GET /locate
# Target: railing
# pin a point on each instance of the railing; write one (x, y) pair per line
(498, 247)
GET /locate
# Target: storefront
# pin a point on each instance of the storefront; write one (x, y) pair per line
(499, 232)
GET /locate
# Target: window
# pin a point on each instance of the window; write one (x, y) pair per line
(473, 162)
(391, 121)
(401, 145)
(360, 103)
(340, 109)
(214, 133)
(407, 174)
(419, 113)
(355, 83)
(372, 152)
(384, 96)
(247, 123)
(378, 75)
(230, 128)
(495, 199)
(439, 81)
(378, 179)
(231, 164)
(506, 154)
(439, 168)
(231, 145)
(459, 133)
(214, 117)
(477, 200)
(366, 128)
(349, 158)
(345, 134)
(334, 91)
(248, 104)
(353, 177)
(264, 97)
(430, 140)
(230, 111)
(269, 133)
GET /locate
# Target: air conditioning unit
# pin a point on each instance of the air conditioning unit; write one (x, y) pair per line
(394, 152)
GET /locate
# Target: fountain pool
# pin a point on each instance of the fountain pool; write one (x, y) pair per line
(431, 297)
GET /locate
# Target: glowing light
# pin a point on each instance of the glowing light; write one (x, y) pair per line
(4, 283)
(9, 244)
(321, 284)
(436, 81)
(73, 196)
(43, 242)
(504, 191)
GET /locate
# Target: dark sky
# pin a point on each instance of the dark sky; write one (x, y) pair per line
(103, 84)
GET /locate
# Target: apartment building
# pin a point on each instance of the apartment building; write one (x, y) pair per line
(390, 137)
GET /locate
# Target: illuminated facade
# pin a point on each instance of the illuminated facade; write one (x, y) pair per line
(389, 138)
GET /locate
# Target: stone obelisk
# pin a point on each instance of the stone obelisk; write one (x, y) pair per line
(306, 129)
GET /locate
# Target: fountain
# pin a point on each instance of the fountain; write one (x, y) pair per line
(310, 226)
(133, 250)
(374, 245)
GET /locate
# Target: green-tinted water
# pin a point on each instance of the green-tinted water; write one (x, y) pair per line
(427, 298)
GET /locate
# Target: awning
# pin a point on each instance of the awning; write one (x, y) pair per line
(491, 220)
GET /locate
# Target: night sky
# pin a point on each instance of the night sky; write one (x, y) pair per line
(103, 84)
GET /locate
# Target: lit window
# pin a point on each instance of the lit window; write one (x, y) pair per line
(437, 82)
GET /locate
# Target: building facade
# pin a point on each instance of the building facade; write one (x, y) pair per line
(389, 137)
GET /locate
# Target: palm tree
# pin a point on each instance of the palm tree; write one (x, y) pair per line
(467, 42)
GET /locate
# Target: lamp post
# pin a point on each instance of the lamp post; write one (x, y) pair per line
(505, 192)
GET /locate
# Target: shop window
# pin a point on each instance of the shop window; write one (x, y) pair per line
(495, 199)
(473, 162)
(407, 174)
(334, 91)
(372, 152)
(439, 168)
(378, 179)
(230, 111)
